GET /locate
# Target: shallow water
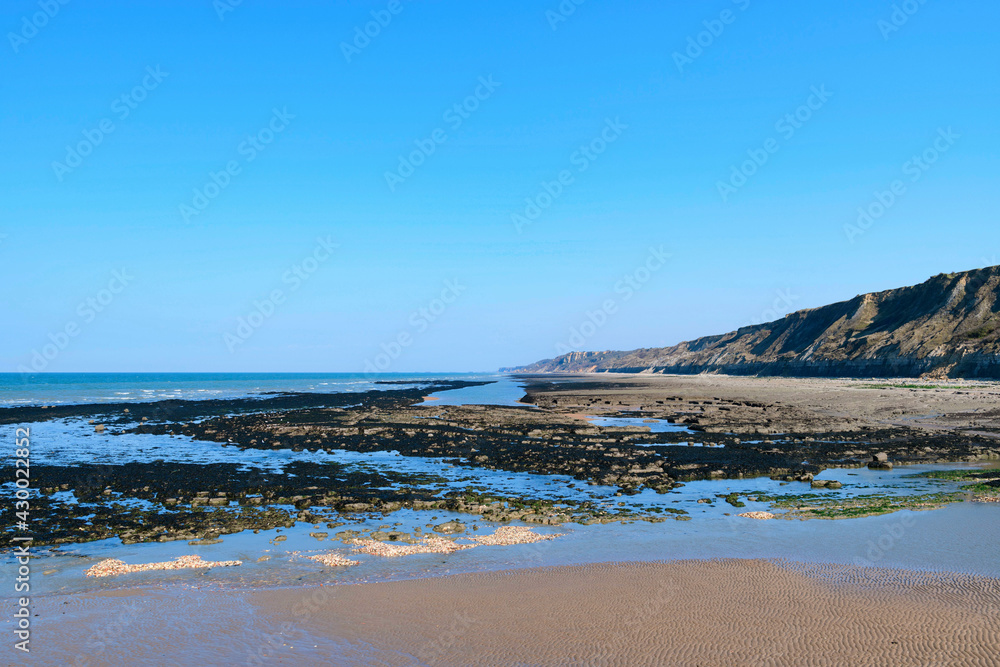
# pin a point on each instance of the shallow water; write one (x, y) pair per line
(503, 390)
(959, 537)
(654, 425)
(70, 442)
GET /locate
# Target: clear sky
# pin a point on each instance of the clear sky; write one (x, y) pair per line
(502, 166)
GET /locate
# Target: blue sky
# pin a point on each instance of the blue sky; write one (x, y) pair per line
(433, 270)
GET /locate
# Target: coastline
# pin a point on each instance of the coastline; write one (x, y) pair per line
(636, 469)
(388, 465)
(704, 612)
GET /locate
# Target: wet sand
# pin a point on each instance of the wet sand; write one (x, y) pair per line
(779, 404)
(727, 612)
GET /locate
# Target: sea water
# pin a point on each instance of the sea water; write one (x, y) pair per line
(20, 389)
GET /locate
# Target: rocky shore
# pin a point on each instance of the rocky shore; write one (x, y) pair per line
(732, 428)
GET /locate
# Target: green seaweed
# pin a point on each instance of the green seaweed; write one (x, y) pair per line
(733, 499)
(982, 480)
(809, 506)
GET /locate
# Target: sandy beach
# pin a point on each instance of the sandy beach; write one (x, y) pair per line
(725, 612)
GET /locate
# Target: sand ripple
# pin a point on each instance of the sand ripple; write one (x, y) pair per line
(729, 612)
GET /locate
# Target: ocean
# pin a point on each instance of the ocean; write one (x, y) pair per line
(21, 389)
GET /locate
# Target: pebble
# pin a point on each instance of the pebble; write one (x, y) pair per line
(429, 545)
(508, 535)
(113, 567)
(333, 560)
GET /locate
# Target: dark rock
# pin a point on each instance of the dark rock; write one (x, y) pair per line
(880, 461)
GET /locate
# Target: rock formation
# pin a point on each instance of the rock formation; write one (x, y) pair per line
(948, 326)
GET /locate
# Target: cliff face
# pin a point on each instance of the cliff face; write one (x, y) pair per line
(948, 326)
